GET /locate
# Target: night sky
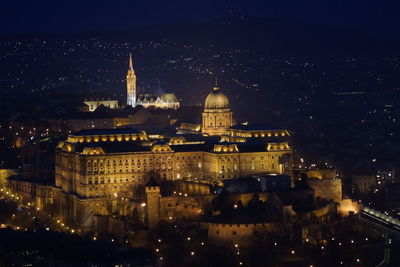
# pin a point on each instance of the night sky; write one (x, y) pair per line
(379, 17)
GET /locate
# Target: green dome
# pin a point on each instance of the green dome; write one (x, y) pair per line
(216, 100)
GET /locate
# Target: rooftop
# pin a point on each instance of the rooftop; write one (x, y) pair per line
(107, 131)
(255, 127)
(116, 147)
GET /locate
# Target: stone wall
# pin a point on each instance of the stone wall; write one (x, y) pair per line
(184, 207)
(241, 234)
(322, 173)
(321, 214)
(191, 188)
(5, 173)
(330, 189)
(76, 212)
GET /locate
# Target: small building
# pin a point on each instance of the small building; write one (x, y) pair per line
(393, 197)
(329, 189)
(249, 225)
(94, 104)
(363, 183)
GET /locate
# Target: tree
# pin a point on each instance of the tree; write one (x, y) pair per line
(223, 202)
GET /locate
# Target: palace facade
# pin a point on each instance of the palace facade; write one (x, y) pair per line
(99, 163)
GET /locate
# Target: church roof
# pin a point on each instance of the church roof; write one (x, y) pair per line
(171, 98)
(151, 98)
(147, 97)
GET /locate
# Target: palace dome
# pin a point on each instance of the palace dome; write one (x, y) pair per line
(216, 100)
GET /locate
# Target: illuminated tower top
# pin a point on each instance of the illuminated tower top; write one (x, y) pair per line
(130, 63)
(131, 84)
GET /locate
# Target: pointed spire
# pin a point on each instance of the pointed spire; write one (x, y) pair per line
(216, 88)
(130, 62)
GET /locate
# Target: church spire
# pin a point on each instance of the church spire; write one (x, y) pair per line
(130, 62)
(131, 84)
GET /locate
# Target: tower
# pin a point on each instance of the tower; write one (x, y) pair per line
(217, 116)
(131, 84)
(153, 202)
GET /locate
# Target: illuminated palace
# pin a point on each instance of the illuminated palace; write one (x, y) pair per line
(95, 163)
(102, 172)
(146, 100)
(217, 116)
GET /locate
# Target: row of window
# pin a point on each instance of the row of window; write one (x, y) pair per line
(96, 163)
(102, 180)
(178, 166)
(133, 169)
